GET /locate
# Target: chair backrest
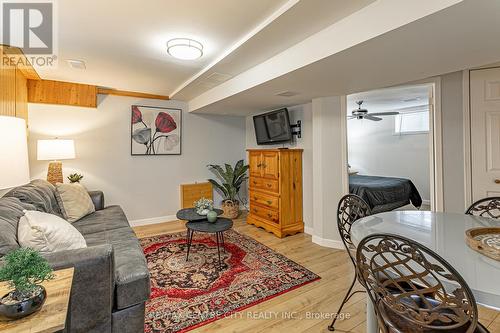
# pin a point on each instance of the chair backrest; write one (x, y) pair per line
(350, 209)
(400, 275)
(487, 207)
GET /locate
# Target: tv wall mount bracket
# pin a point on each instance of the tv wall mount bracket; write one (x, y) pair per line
(297, 129)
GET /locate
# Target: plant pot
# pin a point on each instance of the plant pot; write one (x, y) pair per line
(212, 216)
(231, 209)
(24, 308)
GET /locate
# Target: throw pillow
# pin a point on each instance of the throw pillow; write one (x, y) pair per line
(48, 233)
(74, 201)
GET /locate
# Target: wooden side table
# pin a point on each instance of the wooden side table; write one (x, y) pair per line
(52, 315)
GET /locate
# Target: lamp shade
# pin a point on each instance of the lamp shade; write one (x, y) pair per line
(14, 169)
(56, 149)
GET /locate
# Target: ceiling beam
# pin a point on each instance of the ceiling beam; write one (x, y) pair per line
(64, 93)
(105, 91)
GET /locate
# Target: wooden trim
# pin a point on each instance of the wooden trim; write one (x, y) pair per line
(65, 93)
(19, 58)
(104, 91)
(276, 150)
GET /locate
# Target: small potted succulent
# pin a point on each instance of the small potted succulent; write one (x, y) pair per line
(75, 178)
(203, 206)
(228, 185)
(25, 269)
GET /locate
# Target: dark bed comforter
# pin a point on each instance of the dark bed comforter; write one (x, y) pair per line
(385, 193)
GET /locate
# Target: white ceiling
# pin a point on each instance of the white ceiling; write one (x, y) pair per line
(458, 37)
(297, 23)
(123, 42)
(394, 98)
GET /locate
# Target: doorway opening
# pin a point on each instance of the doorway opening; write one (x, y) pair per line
(393, 147)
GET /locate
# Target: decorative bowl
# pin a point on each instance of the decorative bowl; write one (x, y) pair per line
(24, 308)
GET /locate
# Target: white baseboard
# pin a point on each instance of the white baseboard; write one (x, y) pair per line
(153, 220)
(308, 230)
(426, 202)
(335, 244)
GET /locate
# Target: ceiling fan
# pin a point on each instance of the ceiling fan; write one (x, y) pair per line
(360, 113)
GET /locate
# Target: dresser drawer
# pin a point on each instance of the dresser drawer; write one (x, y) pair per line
(265, 184)
(256, 182)
(266, 200)
(265, 213)
(270, 185)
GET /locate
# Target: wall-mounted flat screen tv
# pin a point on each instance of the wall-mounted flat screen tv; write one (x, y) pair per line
(272, 127)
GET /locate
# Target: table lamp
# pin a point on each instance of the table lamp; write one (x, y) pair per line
(55, 150)
(14, 169)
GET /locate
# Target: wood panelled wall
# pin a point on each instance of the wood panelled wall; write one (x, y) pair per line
(13, 91)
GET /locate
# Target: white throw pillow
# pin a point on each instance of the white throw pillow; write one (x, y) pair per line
(74, 201)
(48, 233)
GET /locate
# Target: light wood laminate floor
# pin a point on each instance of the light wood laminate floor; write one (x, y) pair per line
(306, 309)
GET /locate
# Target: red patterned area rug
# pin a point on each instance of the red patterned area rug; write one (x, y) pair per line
(187, 295)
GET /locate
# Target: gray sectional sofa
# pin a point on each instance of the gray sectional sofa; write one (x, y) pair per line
(111, 281)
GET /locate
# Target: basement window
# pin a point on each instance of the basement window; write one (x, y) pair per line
(415, 122)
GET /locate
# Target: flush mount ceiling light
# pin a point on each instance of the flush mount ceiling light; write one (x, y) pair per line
(184, 48)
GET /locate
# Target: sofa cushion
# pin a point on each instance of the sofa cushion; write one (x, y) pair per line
(74, 201)
(39, 193)
(11, 210)
(109, 218)
(114, 236)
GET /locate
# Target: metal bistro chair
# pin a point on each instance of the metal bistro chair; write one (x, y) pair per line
(351, 208)
(384, 260)
(487, 207)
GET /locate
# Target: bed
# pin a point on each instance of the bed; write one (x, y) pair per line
(384, 194)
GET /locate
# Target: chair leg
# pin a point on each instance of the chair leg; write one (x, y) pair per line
(346, 298)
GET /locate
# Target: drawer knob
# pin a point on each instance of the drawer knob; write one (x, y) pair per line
(269, 185)
(270, 215)
(269, 202)
(255, 182)
(497, 181)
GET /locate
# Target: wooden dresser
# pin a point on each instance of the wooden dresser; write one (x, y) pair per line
(275, 190)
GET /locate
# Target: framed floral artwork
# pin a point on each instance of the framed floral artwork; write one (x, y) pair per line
(155, 130)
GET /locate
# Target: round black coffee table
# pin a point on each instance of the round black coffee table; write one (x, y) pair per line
(190, 214)
(218, 227)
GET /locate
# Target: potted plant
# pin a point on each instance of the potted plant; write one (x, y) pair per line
(228, 185)
(203, 206)
(25, 269)
(75, 178)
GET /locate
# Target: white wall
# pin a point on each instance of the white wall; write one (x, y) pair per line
(374, 150)
(330, 181)
(145, 186)
(303, 113)
(453, 142)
